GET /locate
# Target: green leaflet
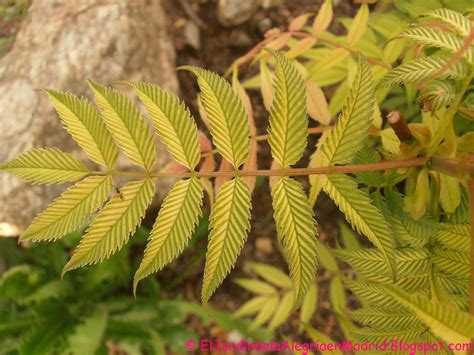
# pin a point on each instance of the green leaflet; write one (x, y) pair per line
(294, 219)
(341, 143)
(113, 225)
(46, 166)
(71, 210)
(358, 25)
(84, 124)
(362, 214)
(226, 113)
(174, 226)
(288, 118)
(229, 223)
(126, 124)
(420, 69)
(444, 321)
(173, 122)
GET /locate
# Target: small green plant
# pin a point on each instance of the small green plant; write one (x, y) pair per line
(360, 161)
(90, 312)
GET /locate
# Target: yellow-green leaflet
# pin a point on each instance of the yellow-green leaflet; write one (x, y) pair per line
(418, 70)
(173, 228)
(288, 118)
(46, 166)
(282, 311)
(173, 123)
(436, 38)
(446, 322)
(343, 141)
(460, 23)
(450, 193)
(127, 125)
(71, 210)
(294, 219)
(226, 113)
(113, 225)
(361, 214)
(229, 223)
(84, 124)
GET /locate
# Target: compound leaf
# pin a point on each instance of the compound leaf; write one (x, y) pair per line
(113, 225)
(70, 210)
(46, 166)
(127, 125)
(294, 220)
(174, 226)
(288, 119)
(84, 124)
(229, 223)
(226, 113)
(173, 122)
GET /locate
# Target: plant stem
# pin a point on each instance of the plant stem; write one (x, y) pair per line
(343, 169)
(264, 137)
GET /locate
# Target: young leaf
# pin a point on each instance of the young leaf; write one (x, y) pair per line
(84, 124)
(113, 225)
(317, 104)
(266, 85)
(323, 18)
(45, 166)
(308, 306)
(257, 286)
(358, 25)
(266, 311)
(361, 214)
(288, 122)
(226, 113)
(294, 219)
(229, 223)
(460, 23)
(69, 211)
(272, 275)
(251, 307)
(282, 310)
(173, 123)
(176, 221)
(445, 321)
(420, 69)
(127, 125)
(450, 193)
